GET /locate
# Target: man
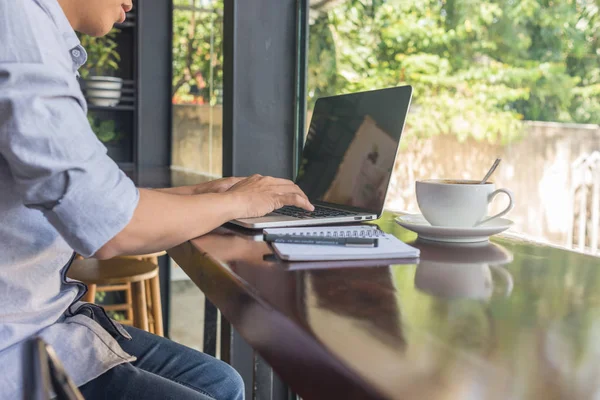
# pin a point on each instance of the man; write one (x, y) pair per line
(60, 192)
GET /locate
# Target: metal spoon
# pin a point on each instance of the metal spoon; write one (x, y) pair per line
(491, 171)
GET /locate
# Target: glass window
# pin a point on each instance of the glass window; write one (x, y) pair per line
(196, 134)
(197, 90)
(519, 80)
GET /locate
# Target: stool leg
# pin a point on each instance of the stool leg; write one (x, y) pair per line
(129, 302)
(90, 296)
(151, 327)
(140, 310)
(156, 306)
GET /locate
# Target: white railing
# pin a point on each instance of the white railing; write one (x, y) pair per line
(585, 200)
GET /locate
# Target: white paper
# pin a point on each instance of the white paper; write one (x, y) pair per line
(389, 246)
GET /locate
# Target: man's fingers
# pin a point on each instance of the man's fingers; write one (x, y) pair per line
(277, 181)
(235, 179)
(295, 199)
(264, 181)
(290, 189)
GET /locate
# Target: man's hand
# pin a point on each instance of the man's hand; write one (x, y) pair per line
(165, 218)
(216, 186)
(259, 195)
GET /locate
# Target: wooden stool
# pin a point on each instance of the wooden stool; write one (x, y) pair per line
(152, 257)
(152, 320)
(137, 278)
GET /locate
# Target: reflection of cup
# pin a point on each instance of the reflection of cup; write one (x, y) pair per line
(463, 271)
(458, 203)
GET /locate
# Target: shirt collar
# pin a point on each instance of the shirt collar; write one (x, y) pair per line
(73, 45)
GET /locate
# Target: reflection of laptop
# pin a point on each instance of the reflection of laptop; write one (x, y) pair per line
(347, 160)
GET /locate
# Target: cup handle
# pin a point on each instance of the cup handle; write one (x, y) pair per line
(507, 278)
(511, 204)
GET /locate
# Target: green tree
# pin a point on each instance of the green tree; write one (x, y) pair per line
(197, 50)
(478, 67)
(323, 76)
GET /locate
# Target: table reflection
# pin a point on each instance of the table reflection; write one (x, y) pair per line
(463, 270)
(488, 321)
(367, 296)
(506, 319)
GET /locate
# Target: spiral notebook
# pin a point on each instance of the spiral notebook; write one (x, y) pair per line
(389, 246)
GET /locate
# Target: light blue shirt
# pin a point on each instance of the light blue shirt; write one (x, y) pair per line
(59, 192)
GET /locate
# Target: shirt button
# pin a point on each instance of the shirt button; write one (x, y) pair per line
(76, 53)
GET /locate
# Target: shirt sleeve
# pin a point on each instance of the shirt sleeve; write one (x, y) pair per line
(58, 165)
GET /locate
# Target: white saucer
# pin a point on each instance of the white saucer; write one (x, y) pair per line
(482, 233)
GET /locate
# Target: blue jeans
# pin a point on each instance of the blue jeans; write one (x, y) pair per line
(165, 370)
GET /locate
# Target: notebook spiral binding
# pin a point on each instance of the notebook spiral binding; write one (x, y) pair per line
(347, 233)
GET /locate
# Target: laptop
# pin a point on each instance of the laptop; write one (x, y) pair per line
(347, 160)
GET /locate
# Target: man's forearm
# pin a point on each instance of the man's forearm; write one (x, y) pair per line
(179, 190)
(163, 220)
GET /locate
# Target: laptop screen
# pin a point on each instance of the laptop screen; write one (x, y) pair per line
(351, 147)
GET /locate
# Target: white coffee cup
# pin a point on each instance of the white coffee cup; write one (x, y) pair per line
(458, 203)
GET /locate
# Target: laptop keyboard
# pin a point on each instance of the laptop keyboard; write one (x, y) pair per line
(319, 212)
